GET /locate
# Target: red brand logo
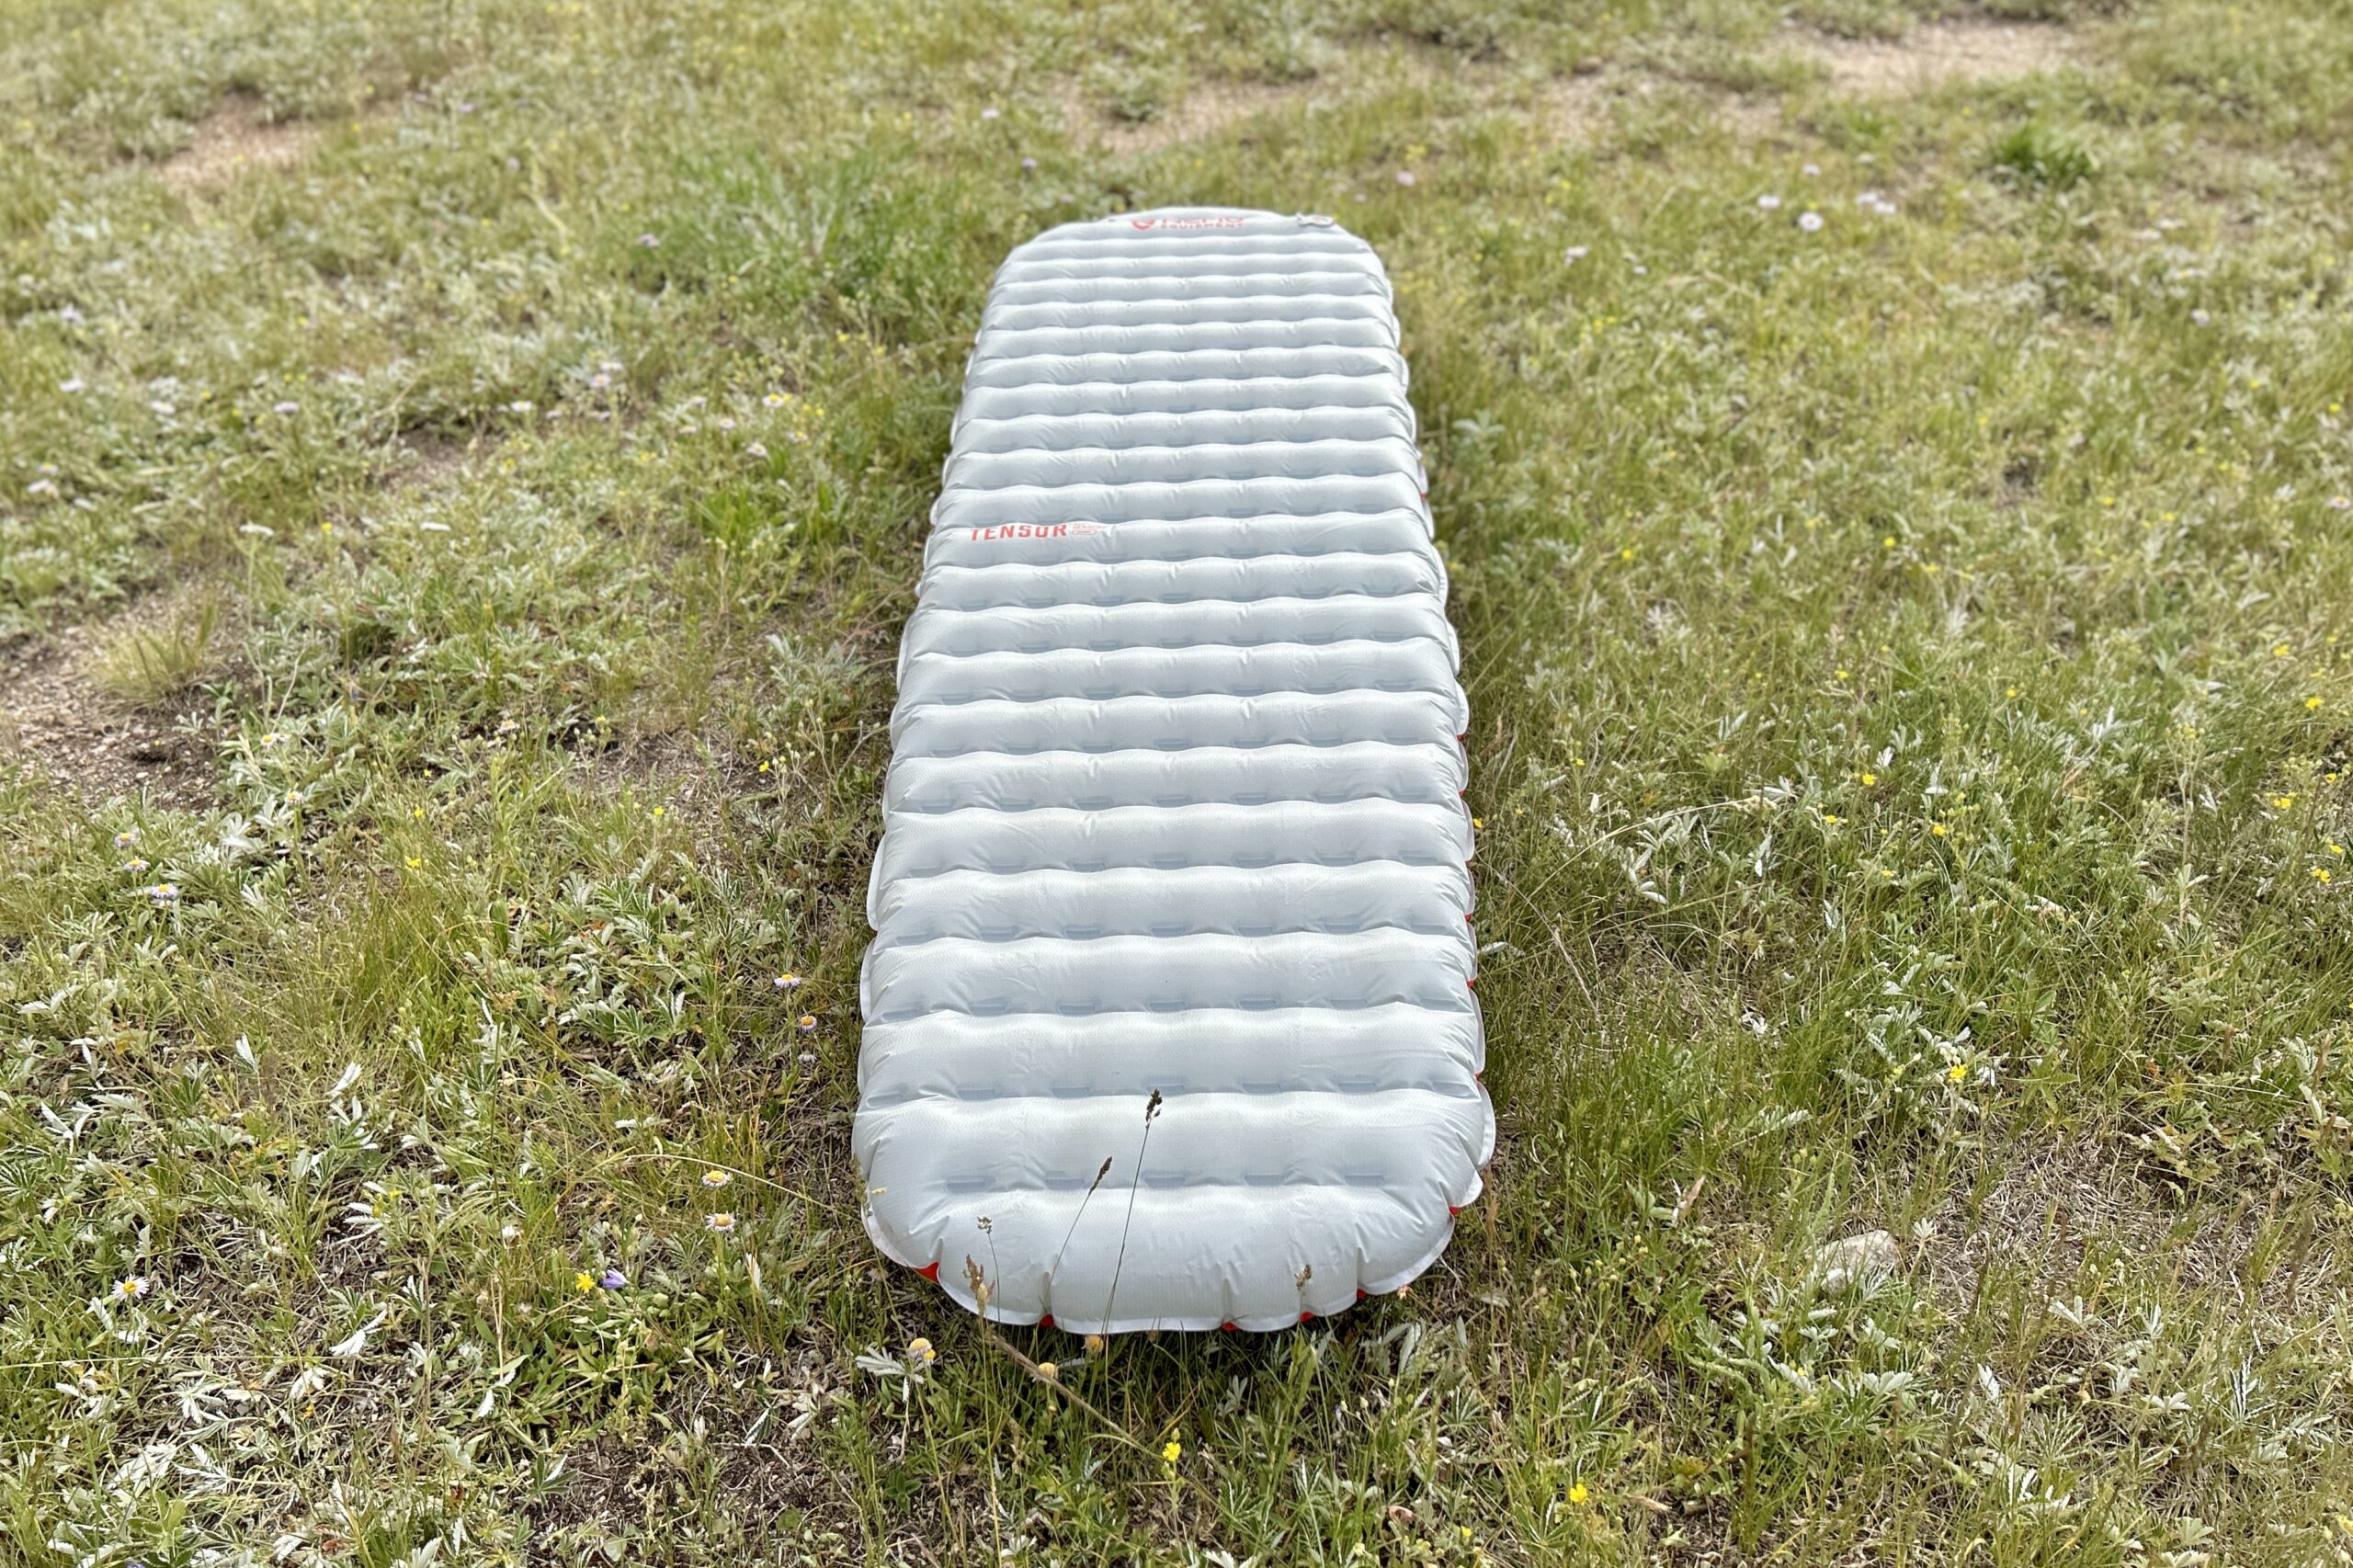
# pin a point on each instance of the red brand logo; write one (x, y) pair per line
(1032, 531)
(1206, 222)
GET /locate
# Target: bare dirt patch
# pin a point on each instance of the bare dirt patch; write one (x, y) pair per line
(423, 459)
(1585, 108)
(1205, 109)
(234, 140)
(1936, 53)
(55, 717)
(745, 1417)
(1577, 108)
(2058, 1207)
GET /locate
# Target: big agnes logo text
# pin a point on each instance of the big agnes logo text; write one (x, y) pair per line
(1210, 222)
(1001, 532)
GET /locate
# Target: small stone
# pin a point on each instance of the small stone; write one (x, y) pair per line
(1873, 1255)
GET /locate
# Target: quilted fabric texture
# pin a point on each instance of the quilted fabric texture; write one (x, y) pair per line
(1168, 1011)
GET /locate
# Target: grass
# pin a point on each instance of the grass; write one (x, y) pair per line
(149, 666)
(1911, 710)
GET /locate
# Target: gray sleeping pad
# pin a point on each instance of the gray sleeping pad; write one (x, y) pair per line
(1175, 805)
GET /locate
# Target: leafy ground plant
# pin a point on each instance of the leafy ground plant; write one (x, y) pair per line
(1896, 477)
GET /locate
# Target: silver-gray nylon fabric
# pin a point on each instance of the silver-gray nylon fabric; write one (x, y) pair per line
(1174, 804)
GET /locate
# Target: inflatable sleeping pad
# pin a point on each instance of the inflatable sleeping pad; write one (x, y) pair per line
(1168, 1010)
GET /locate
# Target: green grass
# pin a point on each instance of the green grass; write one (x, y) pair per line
(1912, 705)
